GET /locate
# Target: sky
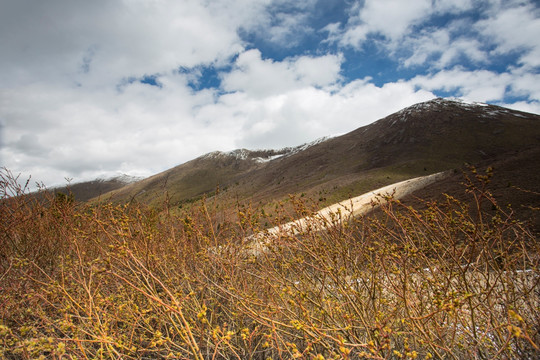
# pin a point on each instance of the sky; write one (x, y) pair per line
(106, 87)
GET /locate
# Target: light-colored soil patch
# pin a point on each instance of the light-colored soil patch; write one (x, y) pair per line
(342, 211)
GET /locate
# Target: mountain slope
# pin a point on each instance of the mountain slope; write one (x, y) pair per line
(203, 175)
(422, 139)
(84, 191)
(515, 182)
(425, 138)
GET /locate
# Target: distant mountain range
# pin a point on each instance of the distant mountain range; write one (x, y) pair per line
(419, 140)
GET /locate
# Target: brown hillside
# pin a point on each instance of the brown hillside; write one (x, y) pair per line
(422, 139)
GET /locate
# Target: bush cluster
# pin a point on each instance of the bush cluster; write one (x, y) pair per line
(110, 281)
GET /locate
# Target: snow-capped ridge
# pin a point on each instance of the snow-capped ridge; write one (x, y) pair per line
(123, 178)
(263, 155)
(239, 154)
(293, 150)
(440, 104)
(310, 144)
(127, 179)
(288, 151)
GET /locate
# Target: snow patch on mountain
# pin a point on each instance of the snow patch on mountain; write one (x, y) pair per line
(123, 178)
(441, 104)
(128, 179)
(239, 154)
(310, 144)
(262, 156)
(288, 151)
(269, 158)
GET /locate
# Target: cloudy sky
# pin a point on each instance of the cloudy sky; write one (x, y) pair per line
(102, 87)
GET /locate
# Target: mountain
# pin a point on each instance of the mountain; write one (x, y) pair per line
(422, 139)
(189, 181)
(84, 191)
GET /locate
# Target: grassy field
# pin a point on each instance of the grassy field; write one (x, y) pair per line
(107, 281)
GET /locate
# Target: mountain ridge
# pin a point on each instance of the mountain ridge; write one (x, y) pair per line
(424, 138)
(263, 155)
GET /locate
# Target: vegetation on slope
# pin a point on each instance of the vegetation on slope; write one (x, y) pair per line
(108, 281)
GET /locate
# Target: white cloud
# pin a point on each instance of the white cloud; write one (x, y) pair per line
(62, 61)
(263, 77)
(143, 129)
(391, 18)
(530, 107)
(441, 49)
(483, 85)
(408, 35)
(58, 39)
(285, 32)
(480, 85)
(281, 23)
(514, 26)
(462, 47)
(453, 6)
(525, 84)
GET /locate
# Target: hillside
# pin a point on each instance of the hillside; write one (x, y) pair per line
(515, 181)
(419, 140)
(202, 176)
(84, 191)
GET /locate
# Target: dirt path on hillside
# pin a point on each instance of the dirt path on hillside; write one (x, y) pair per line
(341, 211)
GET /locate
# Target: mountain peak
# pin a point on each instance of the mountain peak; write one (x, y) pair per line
(453, 105)
(439, 104)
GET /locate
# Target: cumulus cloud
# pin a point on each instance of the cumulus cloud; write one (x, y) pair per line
(443, 47)
(284, 103)
(479, 85)
(514, 26)
(453, 6)
(530, 107)
(262, 77)
(306, 113)
(113, 39)
(406, 30)
(30, 144)
(482, 85)
(375, 16)
(284, 23)
(67, 70)
(394, 19)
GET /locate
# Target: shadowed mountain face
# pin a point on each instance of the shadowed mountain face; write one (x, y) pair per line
(422, 139)
(515, 182)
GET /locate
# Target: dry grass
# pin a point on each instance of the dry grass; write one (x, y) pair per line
(128, 282)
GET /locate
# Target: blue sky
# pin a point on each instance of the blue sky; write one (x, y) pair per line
(98, 88)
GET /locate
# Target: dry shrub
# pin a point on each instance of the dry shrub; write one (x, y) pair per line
(126, 282)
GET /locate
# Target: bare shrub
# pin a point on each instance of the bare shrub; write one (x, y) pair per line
(126, 282)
